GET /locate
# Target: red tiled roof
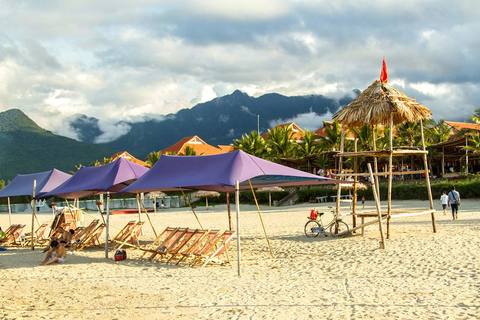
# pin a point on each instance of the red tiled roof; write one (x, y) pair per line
(321, 131)
(129, 157)
(195, 143)
(297, 131)
(463, 125)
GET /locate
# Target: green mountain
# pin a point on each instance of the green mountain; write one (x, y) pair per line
(27, 148)
(221, 120)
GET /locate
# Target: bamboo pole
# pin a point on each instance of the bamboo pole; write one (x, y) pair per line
(443, 161)
(33, 212)
(186, 199)
(138, 208)
(390, 176)
(9, 212)
(107, 226)
(237, 205)
(33, 208)
(148, 217)
(466, 155)
(355, 181)
(228, 210)
(261, 220)
(97, 203)
(427, 178)
(375, 163)
(379, 213)
(340, 164)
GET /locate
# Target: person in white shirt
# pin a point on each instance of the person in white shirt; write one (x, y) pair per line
(444, 202)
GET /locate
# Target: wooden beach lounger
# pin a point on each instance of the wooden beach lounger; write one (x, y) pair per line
(210, 251)
(197, 248)
(130, 236)
(12, 234)
(38, 238)
(91, 239)
(166, 234)
(163, 248)
(196, 242)
(189, 240)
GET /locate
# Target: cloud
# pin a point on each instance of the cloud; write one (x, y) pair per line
(307, 121)
(112, 131)
(122, 61)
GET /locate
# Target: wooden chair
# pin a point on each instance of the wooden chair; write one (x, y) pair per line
(225, 239)
(193, 250)
(166, 234)
(168, 244)
(125, 232)
(130, 237)
(37, 237)
(93, 238)
(210, 248)
(81, 235)
(190, 238)
(12, 234)
(196, 242)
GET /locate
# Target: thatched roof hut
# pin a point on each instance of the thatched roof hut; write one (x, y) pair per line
(374, 104)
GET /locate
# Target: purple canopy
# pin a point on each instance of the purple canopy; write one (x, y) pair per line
(22, 184)
(219, 173)
(112, 177)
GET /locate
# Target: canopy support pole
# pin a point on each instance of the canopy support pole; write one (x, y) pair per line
(261, 220)
(237, 205)
(148, 217)
(107, 225)
(186, 199)
(229, 213)
(355, 190)
(138, 208)
(33, 213)
(390, 176)
(377, 204)
(375, 163)
(340, 166)
(9, 212)
(97, 203)
(33, 208)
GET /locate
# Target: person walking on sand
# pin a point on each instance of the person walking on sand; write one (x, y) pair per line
(56, 254)
(453, 202)
(444, 201)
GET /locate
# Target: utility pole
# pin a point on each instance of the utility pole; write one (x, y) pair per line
(258, 123)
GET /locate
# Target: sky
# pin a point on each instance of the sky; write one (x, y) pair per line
(124, 60)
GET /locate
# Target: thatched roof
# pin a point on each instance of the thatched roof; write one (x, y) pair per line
(373, 106)
(205, 194)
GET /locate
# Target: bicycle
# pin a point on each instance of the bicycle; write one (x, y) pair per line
(315, 226)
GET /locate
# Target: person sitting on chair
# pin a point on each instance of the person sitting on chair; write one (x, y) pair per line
(56, 254)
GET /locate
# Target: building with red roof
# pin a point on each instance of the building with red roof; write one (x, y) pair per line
(198, 145)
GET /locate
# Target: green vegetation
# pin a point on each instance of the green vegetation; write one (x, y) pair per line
(27, 148)
(468, 188)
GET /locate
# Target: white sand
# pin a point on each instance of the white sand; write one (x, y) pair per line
(421, 275)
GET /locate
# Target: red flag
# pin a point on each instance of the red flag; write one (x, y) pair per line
(384, 74)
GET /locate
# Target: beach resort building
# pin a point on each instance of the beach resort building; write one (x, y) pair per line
(196, 144)
(127, 156)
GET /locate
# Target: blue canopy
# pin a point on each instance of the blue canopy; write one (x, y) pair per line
(219, 173)
(22, 184)
(111, 177)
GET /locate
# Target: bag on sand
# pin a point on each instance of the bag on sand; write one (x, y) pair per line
(120, 255)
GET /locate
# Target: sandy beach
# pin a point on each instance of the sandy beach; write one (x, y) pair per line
(420, 275)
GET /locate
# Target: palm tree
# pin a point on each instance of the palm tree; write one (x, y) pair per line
(280, 143)
(153, 157)
(253, 144)
(476, 116)
(332, 138)
(308, 146)
(2, 184)
(189, 151)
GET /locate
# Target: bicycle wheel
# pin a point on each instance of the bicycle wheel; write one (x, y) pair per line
(339, 229)
(312, 229)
